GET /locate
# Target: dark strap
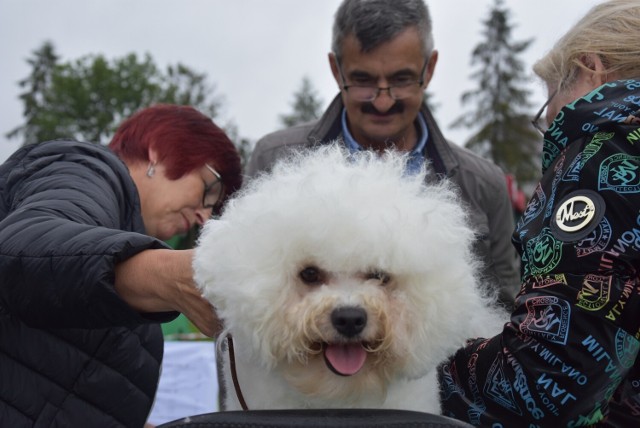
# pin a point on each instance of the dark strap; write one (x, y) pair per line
(234, 373)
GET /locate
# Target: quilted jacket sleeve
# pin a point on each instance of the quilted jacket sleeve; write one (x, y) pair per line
(70, 213)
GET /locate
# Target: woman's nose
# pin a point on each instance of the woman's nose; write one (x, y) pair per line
(202, 215)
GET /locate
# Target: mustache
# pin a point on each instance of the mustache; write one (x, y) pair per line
(396, 108)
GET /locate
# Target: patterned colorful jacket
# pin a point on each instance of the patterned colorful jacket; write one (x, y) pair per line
(568, 357)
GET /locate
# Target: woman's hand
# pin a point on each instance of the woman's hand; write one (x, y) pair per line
(162, 280)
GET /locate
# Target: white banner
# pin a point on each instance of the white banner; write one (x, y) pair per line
(188, 382)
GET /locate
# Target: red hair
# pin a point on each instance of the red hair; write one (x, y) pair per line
(184, 140)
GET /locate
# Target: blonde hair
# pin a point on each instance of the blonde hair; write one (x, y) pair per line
(610, 30)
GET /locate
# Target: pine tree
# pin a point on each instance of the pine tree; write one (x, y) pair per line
(306, 105)
(501, 115)
(42, 63)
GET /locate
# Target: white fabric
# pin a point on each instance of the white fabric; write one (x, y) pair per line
(188, 382)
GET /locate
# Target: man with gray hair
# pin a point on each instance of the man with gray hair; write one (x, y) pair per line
(382, 60)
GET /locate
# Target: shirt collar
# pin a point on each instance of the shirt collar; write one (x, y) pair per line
(416, 157)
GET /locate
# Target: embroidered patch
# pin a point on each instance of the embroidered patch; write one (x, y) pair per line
(546, 281)
(595, 292)
(547, 317)
(498, 388)
(596, 241)
(627, 348)
(573, 172)
(543, 253)
(534, 208)
(620, 173)
(577, 215)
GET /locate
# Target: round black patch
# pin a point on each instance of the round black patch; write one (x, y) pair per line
(577, 215)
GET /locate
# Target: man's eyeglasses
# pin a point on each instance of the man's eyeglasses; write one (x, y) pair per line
(212, 192)
(367, 92)
(538, 122)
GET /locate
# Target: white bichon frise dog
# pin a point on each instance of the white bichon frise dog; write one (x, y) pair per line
(343, 282)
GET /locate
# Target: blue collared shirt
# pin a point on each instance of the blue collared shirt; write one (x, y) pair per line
(416, 157)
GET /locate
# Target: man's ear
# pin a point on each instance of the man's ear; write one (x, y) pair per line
(335, 69)
(431, 67)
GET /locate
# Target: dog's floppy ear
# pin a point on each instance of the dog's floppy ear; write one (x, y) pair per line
(205, 250)
(211, 227)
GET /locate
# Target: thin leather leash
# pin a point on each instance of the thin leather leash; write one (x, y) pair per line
(234, 374)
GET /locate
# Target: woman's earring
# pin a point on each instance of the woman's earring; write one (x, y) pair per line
(151, 170)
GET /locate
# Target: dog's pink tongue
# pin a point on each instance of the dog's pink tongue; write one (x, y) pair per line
(345, 359)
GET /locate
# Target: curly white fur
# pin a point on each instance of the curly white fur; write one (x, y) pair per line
(373, 239)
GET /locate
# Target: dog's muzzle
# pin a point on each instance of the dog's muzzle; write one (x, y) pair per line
(346, 358)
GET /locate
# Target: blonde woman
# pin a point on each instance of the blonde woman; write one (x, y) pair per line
(569, 355)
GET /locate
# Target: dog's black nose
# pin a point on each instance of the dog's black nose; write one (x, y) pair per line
(349, 321)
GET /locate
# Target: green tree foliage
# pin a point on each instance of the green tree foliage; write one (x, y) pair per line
(42, 63)
(501, 116)
(86, 99)
(243, 145)
(306, 105)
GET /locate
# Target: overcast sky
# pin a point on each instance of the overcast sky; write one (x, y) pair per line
(255, 52)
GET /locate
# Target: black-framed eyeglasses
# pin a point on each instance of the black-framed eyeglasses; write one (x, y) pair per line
(540, 124)
(399, 90)
(212, 192)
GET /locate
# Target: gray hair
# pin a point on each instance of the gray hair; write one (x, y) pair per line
(374, 22)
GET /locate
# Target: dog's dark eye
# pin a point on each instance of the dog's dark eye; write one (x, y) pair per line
(311, 275)
(379, 275)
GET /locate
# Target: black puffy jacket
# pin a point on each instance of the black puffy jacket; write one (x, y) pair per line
(72, 353)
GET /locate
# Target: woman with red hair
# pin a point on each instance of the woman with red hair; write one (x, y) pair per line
(85, 277)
